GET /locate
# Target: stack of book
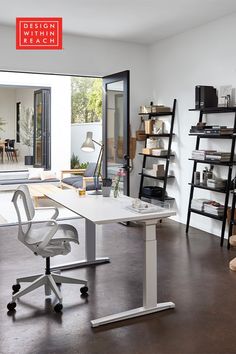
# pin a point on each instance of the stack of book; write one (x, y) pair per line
(218, 183)
(212, 155)
(214, 208)
(218, 156)
(198, 204)
(159, 152)
(211, 129)
(201, 154)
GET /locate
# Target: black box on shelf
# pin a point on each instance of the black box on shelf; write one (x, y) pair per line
(205, 97)
(153, 191)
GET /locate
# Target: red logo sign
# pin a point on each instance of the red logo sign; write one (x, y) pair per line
(39, 33)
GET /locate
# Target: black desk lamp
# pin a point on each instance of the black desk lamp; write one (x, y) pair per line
(89, 146)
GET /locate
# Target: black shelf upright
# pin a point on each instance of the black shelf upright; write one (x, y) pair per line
(167, 157)
(229, 164)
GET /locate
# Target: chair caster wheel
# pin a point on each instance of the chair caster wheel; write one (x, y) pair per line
(11, 306)
(58, 307)
(84, 290)
(15, 288)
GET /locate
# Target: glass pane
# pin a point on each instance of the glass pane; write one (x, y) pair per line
(115, 126)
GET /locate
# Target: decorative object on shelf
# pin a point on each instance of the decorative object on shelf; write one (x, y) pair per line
(153, 109)
(140, 133)
(225, 93)
(158, 127)
(88, 146)
(148, 124)
(197, 177)
(151, 143)
(117, 180)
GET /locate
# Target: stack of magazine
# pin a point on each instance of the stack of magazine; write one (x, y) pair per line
(208, 206)
(214, 208)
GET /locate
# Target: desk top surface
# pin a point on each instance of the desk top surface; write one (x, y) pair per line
(102, 210)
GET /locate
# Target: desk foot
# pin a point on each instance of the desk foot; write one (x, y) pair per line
(140, 311)
(83, 263)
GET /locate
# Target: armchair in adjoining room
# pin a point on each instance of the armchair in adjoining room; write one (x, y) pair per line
(46, 238)
(80, 178)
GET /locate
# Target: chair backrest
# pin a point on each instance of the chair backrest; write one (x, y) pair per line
(22, 192)
(11, 143)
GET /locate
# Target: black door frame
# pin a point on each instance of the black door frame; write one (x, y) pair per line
(125, 77)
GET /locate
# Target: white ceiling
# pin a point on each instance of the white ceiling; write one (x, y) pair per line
(140, 21)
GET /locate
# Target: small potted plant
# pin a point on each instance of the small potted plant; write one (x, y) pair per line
(27, 133)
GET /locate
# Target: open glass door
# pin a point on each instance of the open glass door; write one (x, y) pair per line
(42, 129)
(116, 127)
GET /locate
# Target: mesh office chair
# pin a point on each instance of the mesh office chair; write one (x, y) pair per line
(45, 238)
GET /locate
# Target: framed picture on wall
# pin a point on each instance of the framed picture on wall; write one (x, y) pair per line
(18, 114)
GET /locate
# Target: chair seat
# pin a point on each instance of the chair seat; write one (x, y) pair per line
(58, 245)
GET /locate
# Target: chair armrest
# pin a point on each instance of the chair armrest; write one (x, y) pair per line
(78, 171)
(56, 213)
(50, 234)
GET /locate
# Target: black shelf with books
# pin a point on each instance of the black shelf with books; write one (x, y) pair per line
(167, 156)
(226, 159)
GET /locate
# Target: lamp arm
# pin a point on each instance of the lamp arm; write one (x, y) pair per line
(96, 142)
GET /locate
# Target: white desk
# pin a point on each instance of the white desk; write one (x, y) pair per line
(99, 210)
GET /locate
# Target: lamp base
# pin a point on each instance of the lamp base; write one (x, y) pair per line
(95, 193)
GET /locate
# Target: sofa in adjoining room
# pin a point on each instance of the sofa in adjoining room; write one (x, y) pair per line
(10, 180)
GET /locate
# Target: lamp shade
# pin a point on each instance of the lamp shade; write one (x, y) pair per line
(88, 144)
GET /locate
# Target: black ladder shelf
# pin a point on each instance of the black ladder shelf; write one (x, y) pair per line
(167, 157)
(229, 164)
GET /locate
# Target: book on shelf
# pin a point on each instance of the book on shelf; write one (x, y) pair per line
(218, 156)
(211, 129)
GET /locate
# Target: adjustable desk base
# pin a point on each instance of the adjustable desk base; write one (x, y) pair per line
(83, 263)
(140, 311)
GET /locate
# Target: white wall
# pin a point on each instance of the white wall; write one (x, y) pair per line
(85, 56)
(202, 56)
(8, 112)
(78, 136)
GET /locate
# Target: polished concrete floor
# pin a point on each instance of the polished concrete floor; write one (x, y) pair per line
(192, 272)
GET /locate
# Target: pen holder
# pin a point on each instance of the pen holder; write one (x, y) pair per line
(106, 191)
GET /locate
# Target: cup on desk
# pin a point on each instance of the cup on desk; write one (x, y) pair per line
(106, 191)
(82, 192)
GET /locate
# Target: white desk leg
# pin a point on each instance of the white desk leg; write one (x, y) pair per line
(149, 283)
(90, 250)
